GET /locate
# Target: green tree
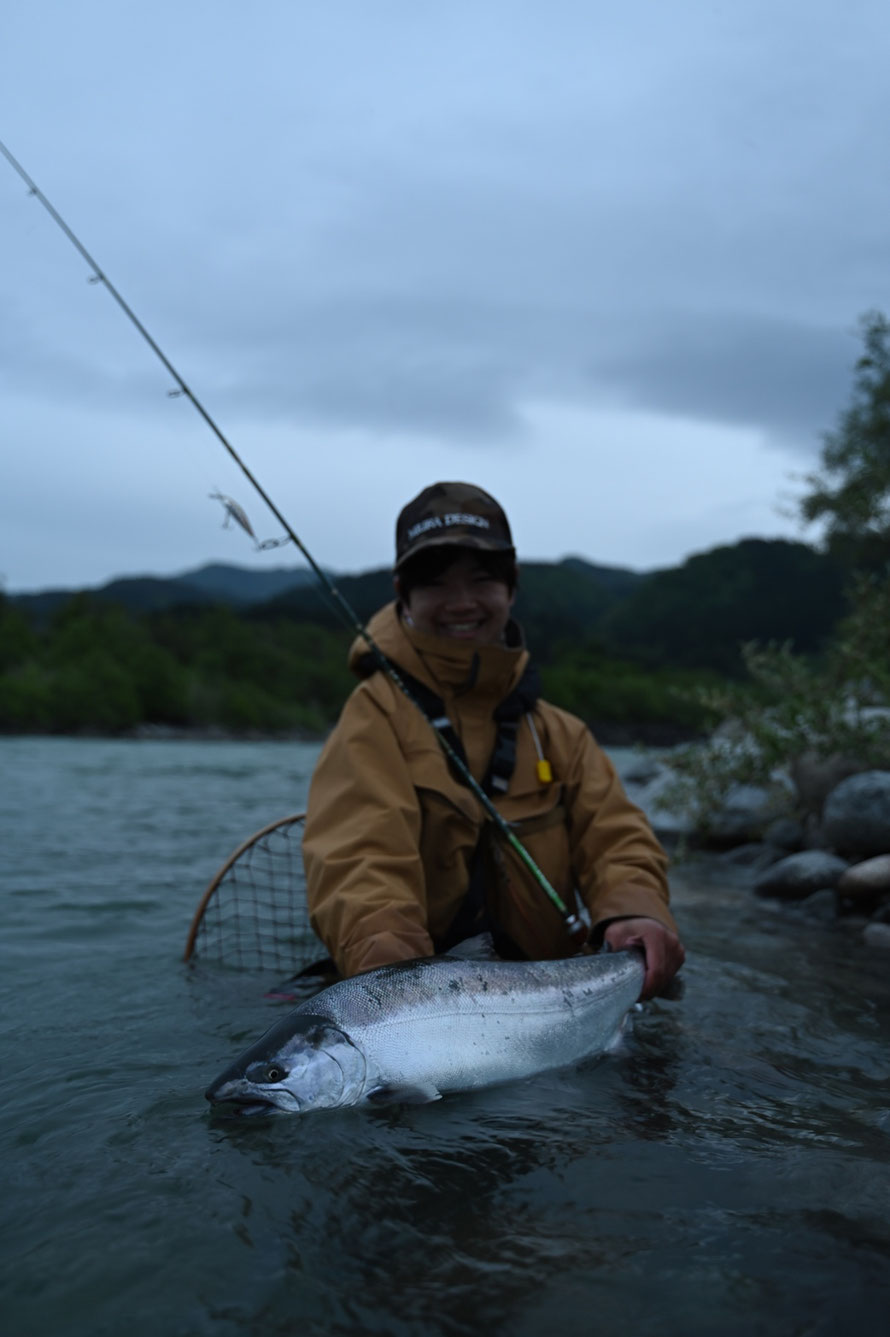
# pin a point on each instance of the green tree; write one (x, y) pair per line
(851, 490)
(699, 614)
(94, 692)
(836, 707)
(26, 704)
(17, 640)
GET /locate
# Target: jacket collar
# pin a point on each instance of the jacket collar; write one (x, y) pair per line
(449, 667)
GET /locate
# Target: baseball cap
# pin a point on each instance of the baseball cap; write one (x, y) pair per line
(455, 513)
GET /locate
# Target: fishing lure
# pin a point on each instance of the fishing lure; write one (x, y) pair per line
(235, 511)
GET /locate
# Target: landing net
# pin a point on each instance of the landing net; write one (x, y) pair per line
(253, 914)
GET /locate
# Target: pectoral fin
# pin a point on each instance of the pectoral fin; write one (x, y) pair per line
(420, 1094)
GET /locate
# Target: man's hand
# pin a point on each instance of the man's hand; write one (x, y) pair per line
(663, 950)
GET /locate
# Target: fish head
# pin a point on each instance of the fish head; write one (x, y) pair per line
(303, 1062)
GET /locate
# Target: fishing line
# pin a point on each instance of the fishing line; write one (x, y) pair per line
(573, 924)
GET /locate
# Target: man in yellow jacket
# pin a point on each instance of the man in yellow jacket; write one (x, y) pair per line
(401, 859)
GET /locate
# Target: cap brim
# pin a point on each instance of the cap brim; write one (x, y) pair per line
(454, 541)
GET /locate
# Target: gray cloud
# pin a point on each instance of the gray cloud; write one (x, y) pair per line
(785, 377)
(418, 222)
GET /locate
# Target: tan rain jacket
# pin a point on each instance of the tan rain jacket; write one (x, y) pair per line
(390, 831)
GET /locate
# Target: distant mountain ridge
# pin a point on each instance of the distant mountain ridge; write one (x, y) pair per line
(291, 589)
(216, 582)
(694, 616)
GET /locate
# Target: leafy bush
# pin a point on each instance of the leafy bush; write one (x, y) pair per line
(94, 692)
(26, 699)
(837, 708)
(596, 687)
(791, 709)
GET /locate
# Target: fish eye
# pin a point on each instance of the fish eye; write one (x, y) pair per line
(274, 1073)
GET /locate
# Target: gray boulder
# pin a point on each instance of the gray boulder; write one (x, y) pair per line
(641, 770)
(820, 906)
(668, 821)
(799, 875)
(877, 935)
(785, 833)
(856, 816)
(815, 776)
(867, 880)
(746, 810)
(755, 854)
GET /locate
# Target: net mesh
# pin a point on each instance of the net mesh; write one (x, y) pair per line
(253, 915)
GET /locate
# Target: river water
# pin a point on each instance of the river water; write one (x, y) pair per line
(728, 1172)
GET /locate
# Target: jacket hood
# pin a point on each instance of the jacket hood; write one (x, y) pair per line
(448, 667)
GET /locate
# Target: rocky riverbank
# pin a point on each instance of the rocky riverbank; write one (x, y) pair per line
(832, 865)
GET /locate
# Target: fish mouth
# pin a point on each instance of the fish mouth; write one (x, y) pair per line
(241, 1107)
(246, 1101)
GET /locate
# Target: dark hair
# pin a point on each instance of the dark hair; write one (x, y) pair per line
(431, 563)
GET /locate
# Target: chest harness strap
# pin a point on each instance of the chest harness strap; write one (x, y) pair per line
(472, 916)
(507, 717)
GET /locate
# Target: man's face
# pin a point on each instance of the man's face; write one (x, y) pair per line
(465, 602)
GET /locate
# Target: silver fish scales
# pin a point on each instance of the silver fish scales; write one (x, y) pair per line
(415, 1030)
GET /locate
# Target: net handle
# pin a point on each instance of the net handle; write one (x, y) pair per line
(221, 872)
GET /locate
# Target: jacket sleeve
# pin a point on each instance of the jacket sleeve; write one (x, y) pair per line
(619, 866)
(361, 845)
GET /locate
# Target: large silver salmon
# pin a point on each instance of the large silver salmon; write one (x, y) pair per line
(411, 1031)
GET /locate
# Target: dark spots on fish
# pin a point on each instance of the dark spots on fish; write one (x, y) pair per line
(398, 969)
(455, 986)
(318, 1036)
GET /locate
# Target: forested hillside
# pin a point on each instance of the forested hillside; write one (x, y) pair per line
(614, 646)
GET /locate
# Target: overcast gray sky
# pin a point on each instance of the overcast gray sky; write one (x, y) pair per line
(606, 261)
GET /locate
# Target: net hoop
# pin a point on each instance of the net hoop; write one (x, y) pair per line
(253, 912)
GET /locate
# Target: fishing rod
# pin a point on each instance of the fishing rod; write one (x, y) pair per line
(574, 925)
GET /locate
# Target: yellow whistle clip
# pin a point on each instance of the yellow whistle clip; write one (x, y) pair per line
(545, 774)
